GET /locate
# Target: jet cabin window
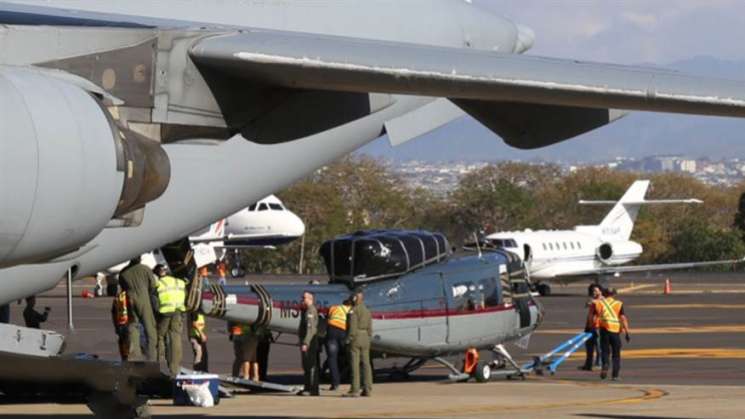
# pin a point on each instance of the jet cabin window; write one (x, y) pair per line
(504, 243)
(263, 207)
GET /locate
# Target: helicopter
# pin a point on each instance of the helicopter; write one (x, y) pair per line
(426, 303)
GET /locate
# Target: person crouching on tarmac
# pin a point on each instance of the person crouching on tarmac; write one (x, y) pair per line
(308, 334)
(591, 345)
(171, 306)
(359, 328)
(120, 318)
(336, 334)
(613, 321)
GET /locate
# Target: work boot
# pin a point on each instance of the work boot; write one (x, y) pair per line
(616, 379)
(584, 368)
(603, 375)
(333, 388)
(366, 394)
(350, 394)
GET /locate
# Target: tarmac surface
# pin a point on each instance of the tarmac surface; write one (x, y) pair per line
(686, 360)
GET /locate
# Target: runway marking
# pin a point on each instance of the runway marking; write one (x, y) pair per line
(647, 395)
(679, 353)
(636, 288)
(667, 330)
(688, 306)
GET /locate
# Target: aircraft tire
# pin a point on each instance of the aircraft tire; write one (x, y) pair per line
(482, 373)
(544, 289)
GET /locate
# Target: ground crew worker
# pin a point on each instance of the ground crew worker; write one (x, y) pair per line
(222, 273)
(335, 337)
(198, 340)
(120, 319)
(33, 318)
(138, 281)
(308, 334)
(613, 322)
(239, 336)
(591, 344)
(171, 305)
(359, 333)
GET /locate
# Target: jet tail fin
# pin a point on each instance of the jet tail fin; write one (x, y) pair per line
(619, 223)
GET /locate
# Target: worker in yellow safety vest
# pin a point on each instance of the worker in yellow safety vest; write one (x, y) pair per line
(198, 340)
(608, 313)
(120, 319)
(171, 306)
(336, 333)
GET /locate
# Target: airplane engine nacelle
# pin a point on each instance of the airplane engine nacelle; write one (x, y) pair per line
(66, 170)
(618, 252)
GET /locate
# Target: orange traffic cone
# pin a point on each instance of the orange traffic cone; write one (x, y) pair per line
(668, 287)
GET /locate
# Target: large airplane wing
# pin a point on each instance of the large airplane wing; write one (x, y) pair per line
(610, 270)
(529, 101)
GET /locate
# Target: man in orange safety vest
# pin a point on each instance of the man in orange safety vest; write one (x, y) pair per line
(608, 313)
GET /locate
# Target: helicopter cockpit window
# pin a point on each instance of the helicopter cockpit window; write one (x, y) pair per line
(263, 207)
(275, 207)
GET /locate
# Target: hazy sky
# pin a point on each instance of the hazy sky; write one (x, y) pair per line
(630, 31)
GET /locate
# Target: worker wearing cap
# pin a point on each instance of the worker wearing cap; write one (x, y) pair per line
(138, 281)
(308, 334)
(335, 336)
(359, 328)
(171, 305)
(612, 320)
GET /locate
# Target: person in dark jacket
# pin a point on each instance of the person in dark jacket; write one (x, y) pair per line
(33, 318)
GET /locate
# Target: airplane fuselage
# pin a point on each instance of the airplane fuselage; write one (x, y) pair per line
(192, 200)
(561, 253)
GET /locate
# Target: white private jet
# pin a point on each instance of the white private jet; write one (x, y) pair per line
(265, 224)
(589, 251)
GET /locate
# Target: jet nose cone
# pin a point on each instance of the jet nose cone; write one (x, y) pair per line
(297, 226)
(525, 39)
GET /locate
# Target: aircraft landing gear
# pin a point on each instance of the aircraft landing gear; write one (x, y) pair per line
(543, 289)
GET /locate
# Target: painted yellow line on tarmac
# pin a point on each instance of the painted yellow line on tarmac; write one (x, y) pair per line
(679, 353)
(633, 288)
(689, 306)
(667, 330)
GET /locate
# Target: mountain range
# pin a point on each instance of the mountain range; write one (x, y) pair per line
(639, 134)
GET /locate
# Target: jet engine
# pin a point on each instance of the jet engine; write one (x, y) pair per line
(618, 252)
(66, 169)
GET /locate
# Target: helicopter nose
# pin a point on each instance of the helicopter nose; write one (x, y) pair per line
(525, 39)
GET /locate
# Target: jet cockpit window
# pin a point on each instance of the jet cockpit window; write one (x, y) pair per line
(252, 207)
(502, 243)
(276, 207)
(263, 207)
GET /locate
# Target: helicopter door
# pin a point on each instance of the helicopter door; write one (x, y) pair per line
(521, 296)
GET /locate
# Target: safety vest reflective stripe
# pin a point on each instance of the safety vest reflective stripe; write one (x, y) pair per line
(171, 295)
(338, 316)
(197, 327)
(122, 315)
(609, 312)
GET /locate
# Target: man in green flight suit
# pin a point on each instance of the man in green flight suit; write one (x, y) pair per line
(138, 281)
(308, 334)
(359, 327)
(171, 306)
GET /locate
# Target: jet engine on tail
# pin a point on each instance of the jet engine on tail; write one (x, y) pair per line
(68, 170)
